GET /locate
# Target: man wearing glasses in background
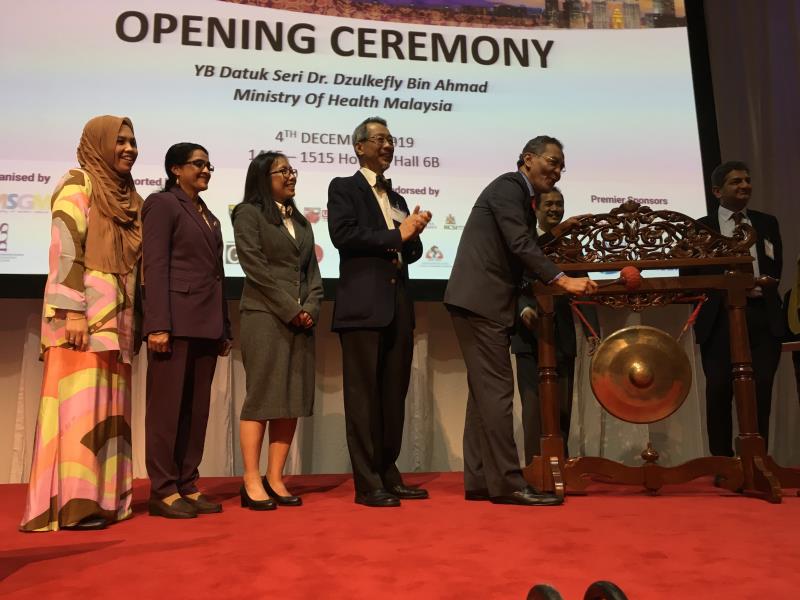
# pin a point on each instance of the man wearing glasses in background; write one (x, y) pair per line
(377, 238)
(497, 247)
(525, 340)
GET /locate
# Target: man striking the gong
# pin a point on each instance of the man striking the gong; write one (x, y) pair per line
(497, 247)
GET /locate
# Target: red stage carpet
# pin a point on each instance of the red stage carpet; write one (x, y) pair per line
(694, 541)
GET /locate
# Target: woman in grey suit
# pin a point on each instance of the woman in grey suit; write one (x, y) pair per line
(279, 309)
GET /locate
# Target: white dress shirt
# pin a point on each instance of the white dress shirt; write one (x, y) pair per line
(726, 226)
(382, 198)
(287, 220)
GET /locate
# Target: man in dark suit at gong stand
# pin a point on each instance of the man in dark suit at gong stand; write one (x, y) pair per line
(497, 247)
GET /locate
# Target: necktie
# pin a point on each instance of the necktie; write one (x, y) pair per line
(383, 184)
(737, 218)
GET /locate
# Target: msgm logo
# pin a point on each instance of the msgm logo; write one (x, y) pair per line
(25, 202)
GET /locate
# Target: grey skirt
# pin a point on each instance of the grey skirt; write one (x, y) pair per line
(279, 367)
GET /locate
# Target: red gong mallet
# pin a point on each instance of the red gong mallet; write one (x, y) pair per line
(629, 276)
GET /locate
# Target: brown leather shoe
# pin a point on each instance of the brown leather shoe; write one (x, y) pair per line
(180, 509)
(202, 505)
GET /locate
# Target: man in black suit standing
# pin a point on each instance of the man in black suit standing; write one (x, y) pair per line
(497, 246)
(377, 239)
(549, 212)
(730, 183)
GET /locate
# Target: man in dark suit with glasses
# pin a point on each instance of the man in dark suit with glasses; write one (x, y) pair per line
(377, 238)
(731, 185)
(497, 247)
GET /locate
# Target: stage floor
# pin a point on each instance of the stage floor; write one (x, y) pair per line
(693, 541)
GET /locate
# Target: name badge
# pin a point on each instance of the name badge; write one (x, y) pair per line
(398, 214)
(769, 249)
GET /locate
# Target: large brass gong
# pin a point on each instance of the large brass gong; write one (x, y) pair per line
(640, 374)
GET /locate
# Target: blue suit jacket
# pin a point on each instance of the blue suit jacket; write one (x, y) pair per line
(368, 269)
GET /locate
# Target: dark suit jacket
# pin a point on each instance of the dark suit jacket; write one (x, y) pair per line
(497, 246)
(525, 340)
(281, 271)
(766, 227)
(365, 294)
(183, 277)
(789, 336)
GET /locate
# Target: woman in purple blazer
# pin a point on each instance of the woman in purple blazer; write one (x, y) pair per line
(186, 326)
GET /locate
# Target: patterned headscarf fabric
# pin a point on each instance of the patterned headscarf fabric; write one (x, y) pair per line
(114, 232)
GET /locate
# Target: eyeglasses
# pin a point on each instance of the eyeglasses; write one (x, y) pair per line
(553, 162)
(201, 164)
(286, 172)
(381, 140)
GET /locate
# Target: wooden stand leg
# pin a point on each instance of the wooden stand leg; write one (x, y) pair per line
(758, 479)
(787, 476)
(545, 472)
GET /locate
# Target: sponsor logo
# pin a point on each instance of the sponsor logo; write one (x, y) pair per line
(4, 237)
(25, 202)
(434, 253)
(450, 223)
(231, 257)
(318, 251)
(314, 213)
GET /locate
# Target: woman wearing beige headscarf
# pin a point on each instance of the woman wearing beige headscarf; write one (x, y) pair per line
(81, 473)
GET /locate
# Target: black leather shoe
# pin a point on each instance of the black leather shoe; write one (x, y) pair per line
(476, 495)
(88, 524)
(248, 502)
(202, 505)
(407, 493)
(282, 500)
(377, 498)
(180, 509)
(528, 496)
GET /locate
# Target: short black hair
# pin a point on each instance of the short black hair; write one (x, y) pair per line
(360, 132)
(555, 190)
(719, 174)
(537, 146)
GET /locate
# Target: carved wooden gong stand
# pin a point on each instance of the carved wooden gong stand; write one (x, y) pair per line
(637, 235)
